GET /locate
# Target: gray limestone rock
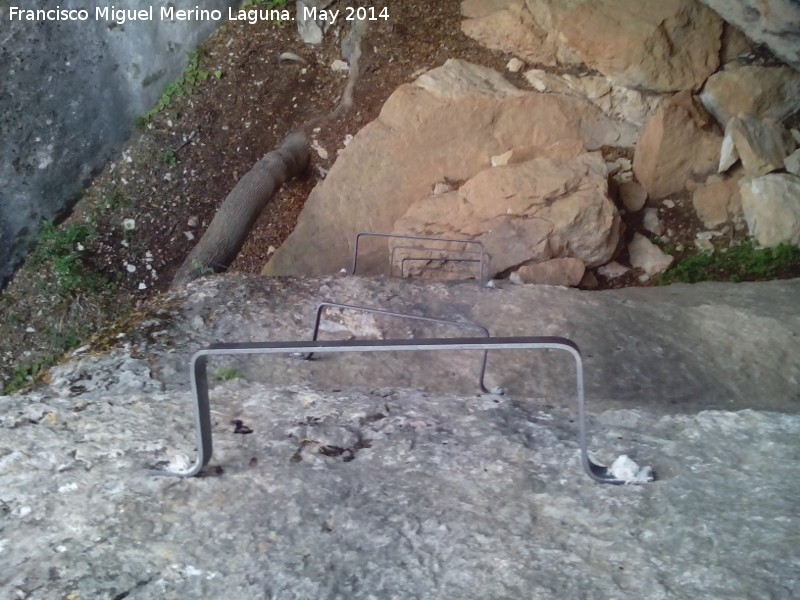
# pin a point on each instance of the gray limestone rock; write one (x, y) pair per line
(70, 94)
(386, 490)
(771, 206)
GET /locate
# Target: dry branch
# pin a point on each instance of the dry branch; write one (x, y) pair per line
(228, 230)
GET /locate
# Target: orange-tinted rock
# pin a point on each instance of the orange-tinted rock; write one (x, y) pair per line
(445, 127)
(524, 212)
(669, 45)
(678, 143)
(567, 272)
(766, 92)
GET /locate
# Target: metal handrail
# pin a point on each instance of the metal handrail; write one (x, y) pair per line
(200, 391)
(462, 325)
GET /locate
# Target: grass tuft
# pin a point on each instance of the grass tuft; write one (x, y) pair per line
(742, 262)
(227, 373)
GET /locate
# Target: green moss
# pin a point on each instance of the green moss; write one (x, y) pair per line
(25, 375)
(64, 249)
(170, 157)
(227, 373)
(183, 86)
(742, 262)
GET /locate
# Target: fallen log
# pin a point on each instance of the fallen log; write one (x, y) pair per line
(227, 232)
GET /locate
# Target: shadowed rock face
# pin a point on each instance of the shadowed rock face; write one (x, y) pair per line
(400, 483)
(71, 92)
(775, 23)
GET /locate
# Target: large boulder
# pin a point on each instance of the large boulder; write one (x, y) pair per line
(662, 46)
(766, 92)
(771, 206)
(775, 23)
(527, 212)
(446, 126)
(679, 143)
(761, 144)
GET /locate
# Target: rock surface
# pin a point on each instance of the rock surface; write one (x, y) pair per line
(445, 127)
(567, 272)
(71, 92)
(761, 144)
(771, 206)
(645, 255)
(765, 92)
(398, 491)
(508, 26)
(662, 46)
(679, 143)
(792, 163)
(617, 101)
(719, 201)
(531, 211)
(613, 270)
(775, 23)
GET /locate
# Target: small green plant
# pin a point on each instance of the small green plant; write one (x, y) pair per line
(742, 262)
(64, 248)
(117, 200)
(227, 373)
(62, 341)
(24, 375)
(201, 268)
(170, 157)
(183, 86)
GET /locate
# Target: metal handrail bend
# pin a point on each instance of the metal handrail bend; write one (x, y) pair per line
(375, 311)
(202, 410)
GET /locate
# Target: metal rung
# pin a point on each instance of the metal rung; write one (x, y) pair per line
(428, 249)
(481, 328)
(441, 260)
(202, 410)
(481, 249)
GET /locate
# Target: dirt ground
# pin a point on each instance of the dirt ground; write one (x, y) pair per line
(177, 168)
(150, 205)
